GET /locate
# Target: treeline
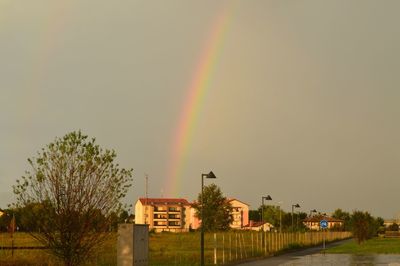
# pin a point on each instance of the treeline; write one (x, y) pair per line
(28, 218)
(278, 217)
(362, 224)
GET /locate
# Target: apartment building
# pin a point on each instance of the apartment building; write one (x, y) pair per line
(240, 213)
(163, 214)
(177, 215)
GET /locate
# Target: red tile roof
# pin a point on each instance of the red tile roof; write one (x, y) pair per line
(163, 201)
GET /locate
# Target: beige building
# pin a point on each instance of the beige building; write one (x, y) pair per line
(177, 215)
(163, 214)
(388, 223)
(240, 214)
(313, 223)
(259, 226)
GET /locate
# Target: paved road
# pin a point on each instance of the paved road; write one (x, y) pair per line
(287, 257)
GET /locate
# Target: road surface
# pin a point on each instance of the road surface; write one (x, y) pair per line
(290, 256)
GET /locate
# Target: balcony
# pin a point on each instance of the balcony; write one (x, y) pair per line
(160, 211)
(159, 219)
(174, 210)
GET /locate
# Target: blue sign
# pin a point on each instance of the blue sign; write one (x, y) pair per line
(323, 223)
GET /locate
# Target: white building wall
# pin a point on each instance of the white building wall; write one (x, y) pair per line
(139, 213)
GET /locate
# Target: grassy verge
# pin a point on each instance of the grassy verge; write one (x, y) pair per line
(372, 246)
(172, 248)
(106, 255)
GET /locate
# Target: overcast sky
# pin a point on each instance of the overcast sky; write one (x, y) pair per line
(303, 104)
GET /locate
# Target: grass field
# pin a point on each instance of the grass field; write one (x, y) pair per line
(43, 257)
(372, 246)
(172, 248)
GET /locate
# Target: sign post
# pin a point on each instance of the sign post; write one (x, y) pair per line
(324, 225)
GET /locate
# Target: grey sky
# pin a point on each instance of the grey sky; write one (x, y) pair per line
(303, 104)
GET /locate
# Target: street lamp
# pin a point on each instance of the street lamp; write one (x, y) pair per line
(294, 206)
(209, 175)
(262, 206)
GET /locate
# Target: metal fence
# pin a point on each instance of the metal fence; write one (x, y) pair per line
(228, 247)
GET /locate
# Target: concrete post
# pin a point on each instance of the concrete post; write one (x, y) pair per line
(133, 245)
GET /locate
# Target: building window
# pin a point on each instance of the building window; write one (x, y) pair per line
(173, 216)
(173, 223)
(160, 209)
(160, 216)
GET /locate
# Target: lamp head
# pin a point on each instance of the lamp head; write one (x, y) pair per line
(209, 175)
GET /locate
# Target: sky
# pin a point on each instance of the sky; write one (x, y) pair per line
(293, 99)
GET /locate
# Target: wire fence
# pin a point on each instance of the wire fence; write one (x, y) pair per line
(229, 247)
(221, 248)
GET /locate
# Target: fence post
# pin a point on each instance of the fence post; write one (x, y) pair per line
(223, 248)
(265, 243)
(215, 248)
(240, 245)
(252, 240)
(230, 247)
(244, 246)
(236, 246)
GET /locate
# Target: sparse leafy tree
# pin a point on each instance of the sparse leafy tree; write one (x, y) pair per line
(70, 194)
(271, 214)
(217, 209)
(363, 225)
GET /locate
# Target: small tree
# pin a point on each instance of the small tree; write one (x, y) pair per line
(216, 211)
(271, 214)
(364, 226)
(393, 227)
(71, 192)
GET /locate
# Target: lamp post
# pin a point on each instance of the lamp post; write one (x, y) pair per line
(209, 175)
(262, 206)
(294, 206)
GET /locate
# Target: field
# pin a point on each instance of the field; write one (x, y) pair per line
(175, 248)
(43, 257)
(372, 246)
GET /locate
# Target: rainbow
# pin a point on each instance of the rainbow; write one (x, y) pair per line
(197, 91)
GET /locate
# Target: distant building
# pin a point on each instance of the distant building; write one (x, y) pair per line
(313, 223)
(240, 213)
(163, 214)
(177, 214)
(258, 226)
(388, 223)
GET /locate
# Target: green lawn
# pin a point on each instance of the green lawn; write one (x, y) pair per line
(372, 246)
(167, 249)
